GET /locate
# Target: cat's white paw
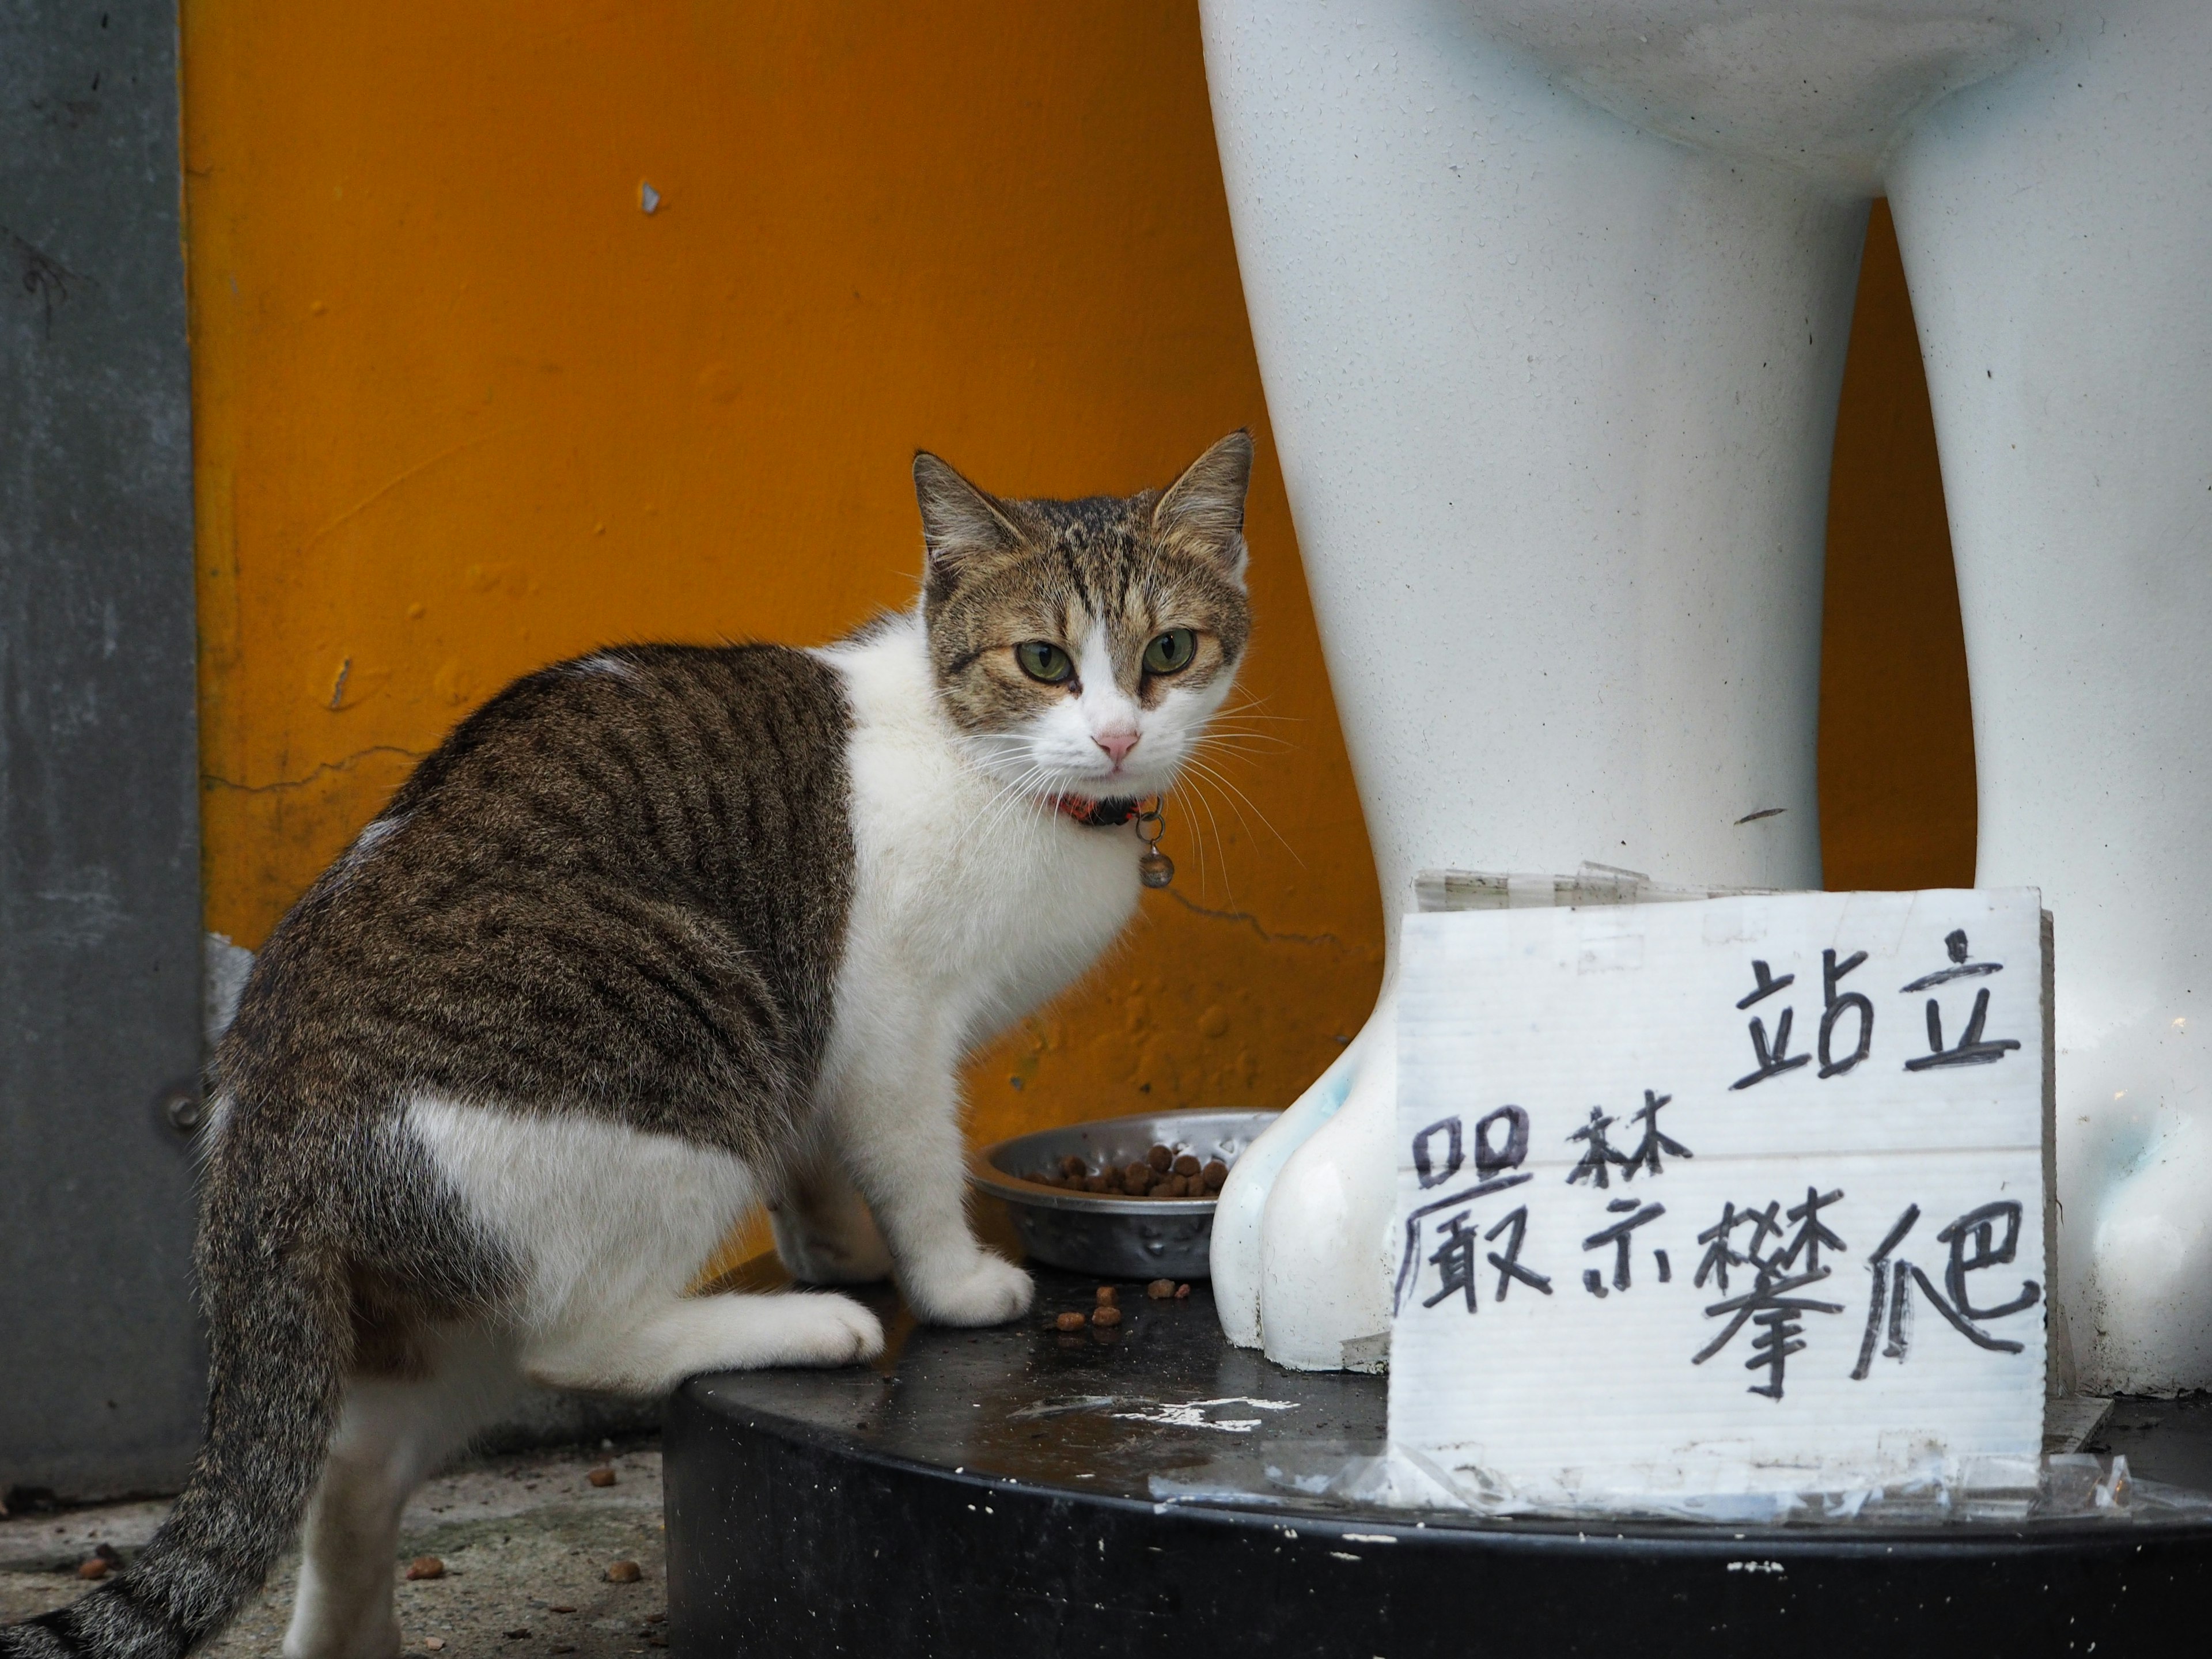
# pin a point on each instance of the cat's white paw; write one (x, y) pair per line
(315, 1633)
(651, 1354)
(984, 1289)
(814, 1327)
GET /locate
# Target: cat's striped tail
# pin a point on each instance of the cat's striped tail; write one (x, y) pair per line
(278, 1315)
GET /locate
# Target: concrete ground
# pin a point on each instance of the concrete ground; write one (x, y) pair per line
(526, 1541)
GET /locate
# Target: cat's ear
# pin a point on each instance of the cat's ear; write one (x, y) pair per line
(1205, 507)
(959, 522)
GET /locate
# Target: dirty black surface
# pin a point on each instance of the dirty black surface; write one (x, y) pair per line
(1082, 1409)
(1024, 1491)
(2168, 1440)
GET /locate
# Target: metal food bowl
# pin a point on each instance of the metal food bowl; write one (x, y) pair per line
(1099, 1233)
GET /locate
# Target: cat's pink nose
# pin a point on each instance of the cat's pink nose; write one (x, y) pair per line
(1116, 744)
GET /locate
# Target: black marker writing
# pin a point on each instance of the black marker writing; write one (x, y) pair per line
(1618, 1235)
(1774, 1302)
(1974, 1245)
(1646, 1155)
(1773, 1059)
(1509, 1265)
(1597, 1154)
(1972, 1047)
(1837, 1007)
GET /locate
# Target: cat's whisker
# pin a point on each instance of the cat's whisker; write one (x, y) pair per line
(985, 814)
(1007, 803)
(1220, 842)
(1220, 847)
(1234, 743)
(1028, 808)
(1236, 723)
(1249, 734)
(1244, 747)
(1203, 796)
(1172, 795)
(1231, 788)
(1218, 758)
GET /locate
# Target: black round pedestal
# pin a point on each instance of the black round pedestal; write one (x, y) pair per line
(1018, 1493)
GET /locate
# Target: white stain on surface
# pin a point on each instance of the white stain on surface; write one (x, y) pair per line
(1081, 1402)
(1193, 1413)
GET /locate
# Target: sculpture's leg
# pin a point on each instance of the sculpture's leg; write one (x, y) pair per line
(2057, 227)
(1555, 400)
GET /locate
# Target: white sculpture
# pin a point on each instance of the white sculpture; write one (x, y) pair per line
(1551, 299)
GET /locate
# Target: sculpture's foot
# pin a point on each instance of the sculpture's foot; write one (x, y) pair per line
(1325, 1244)
(1301, 1236)
(2134, 1134)
(1240, 1213)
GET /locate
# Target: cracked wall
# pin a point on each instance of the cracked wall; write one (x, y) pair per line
(463, 407)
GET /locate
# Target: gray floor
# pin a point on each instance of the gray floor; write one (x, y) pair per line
(521, 1536)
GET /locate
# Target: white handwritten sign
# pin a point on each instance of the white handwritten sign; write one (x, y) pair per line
(1739, 1194)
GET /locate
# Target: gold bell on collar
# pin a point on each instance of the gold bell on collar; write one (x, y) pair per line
(1155, 868)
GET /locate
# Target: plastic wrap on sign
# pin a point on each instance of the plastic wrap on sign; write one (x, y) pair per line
(1721, 1197)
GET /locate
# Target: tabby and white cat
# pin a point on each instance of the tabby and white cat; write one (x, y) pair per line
(654, 936)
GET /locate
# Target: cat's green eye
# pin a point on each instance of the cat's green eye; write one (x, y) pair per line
(1171, 653)
(1041, 659)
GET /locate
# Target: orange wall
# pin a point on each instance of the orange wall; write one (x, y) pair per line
(1896, 736)
(462, 407)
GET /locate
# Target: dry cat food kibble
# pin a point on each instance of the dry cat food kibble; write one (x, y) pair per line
(1109, 1295)
(1161, 1173)
(1160, 1289)
(1106, 1314)
(1069, 1322)
(426, 1566)
(602, 1476)
(625, 1572)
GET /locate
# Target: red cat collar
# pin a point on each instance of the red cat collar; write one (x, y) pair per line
(1095, 814)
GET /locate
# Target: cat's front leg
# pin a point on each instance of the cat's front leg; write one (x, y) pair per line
(898, 1128)
(824, 1234)
(648, 1350)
